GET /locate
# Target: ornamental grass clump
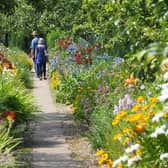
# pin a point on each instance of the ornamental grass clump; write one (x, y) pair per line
(17, 106)
(7, 142)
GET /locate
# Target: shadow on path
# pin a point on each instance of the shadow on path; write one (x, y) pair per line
(50, 131)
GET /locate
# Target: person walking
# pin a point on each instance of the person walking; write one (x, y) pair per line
(33, 46)
(41, 55)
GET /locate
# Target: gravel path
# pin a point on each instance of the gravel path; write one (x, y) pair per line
(53, 127)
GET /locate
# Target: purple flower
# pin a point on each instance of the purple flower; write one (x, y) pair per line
(100, 88)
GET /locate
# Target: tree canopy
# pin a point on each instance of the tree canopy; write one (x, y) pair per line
(121, 25)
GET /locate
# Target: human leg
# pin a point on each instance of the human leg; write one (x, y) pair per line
(44, 70)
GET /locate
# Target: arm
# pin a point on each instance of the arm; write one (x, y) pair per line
(35, 54)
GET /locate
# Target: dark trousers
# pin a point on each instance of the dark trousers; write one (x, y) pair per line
(41, 69)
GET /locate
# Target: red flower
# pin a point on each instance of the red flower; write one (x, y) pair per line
(10, 115)
(78, 58)
(88, 50)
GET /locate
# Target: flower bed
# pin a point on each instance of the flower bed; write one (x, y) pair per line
(16, 104)
(121, 104)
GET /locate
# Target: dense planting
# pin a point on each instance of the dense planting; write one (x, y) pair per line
(16, 104)
(121, 102)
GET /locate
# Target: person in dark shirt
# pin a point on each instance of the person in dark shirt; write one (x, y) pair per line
(41, 58)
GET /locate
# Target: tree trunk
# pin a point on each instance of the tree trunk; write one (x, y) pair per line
(6, 39)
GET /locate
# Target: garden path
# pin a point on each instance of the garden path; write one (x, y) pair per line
(53, 126)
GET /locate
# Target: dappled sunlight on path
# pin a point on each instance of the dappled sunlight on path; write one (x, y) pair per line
(54, 125)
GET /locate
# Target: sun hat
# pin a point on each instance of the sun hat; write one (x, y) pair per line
(41, 41)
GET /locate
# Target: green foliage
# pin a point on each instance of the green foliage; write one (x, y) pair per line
(17, 106)
(124, 26)
(22, 62)
(53, 36)
(149, 60)
(7, 6)
(7, 143)
(121, 26)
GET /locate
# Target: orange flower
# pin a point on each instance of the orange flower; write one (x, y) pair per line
(131, 81)
(10, 115)
(140, 127)
(72, 108)
(109, 163)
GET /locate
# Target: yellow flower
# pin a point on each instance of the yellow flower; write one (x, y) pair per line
(127, 140)
(139, 152)
(165, 115)
(129, 131)
(122, 113)
(146, 118)
(115, 122)
(140, 99)
(119, 166)
(102, 166)
(145, 107)
(55, 79)
(109, 163)
(153, 99)
(80, 88)
(135, 117)
(100, 152)
(14, 71)
(100, 161)
(105, 156)
(136, 107)
(118, 117)
(151, 113)
(117, 137)
(54, 82)
(153, 105)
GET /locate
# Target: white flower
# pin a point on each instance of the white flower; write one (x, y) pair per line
(116, 163)
(164, 91)
(157, 117)
(132, 148)
(116, 110)
(149, 94)
(162, 98)
(121, 159)
(164, 86)
(165, 61)
(166, 133)
(163, 156)
(124, 158)
(142, 87)
(166, 107)
(165, 51)
(120, 102)
(134, 159)
(165, 76)
(158, 131)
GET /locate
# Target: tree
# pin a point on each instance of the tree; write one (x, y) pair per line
(7, 7)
